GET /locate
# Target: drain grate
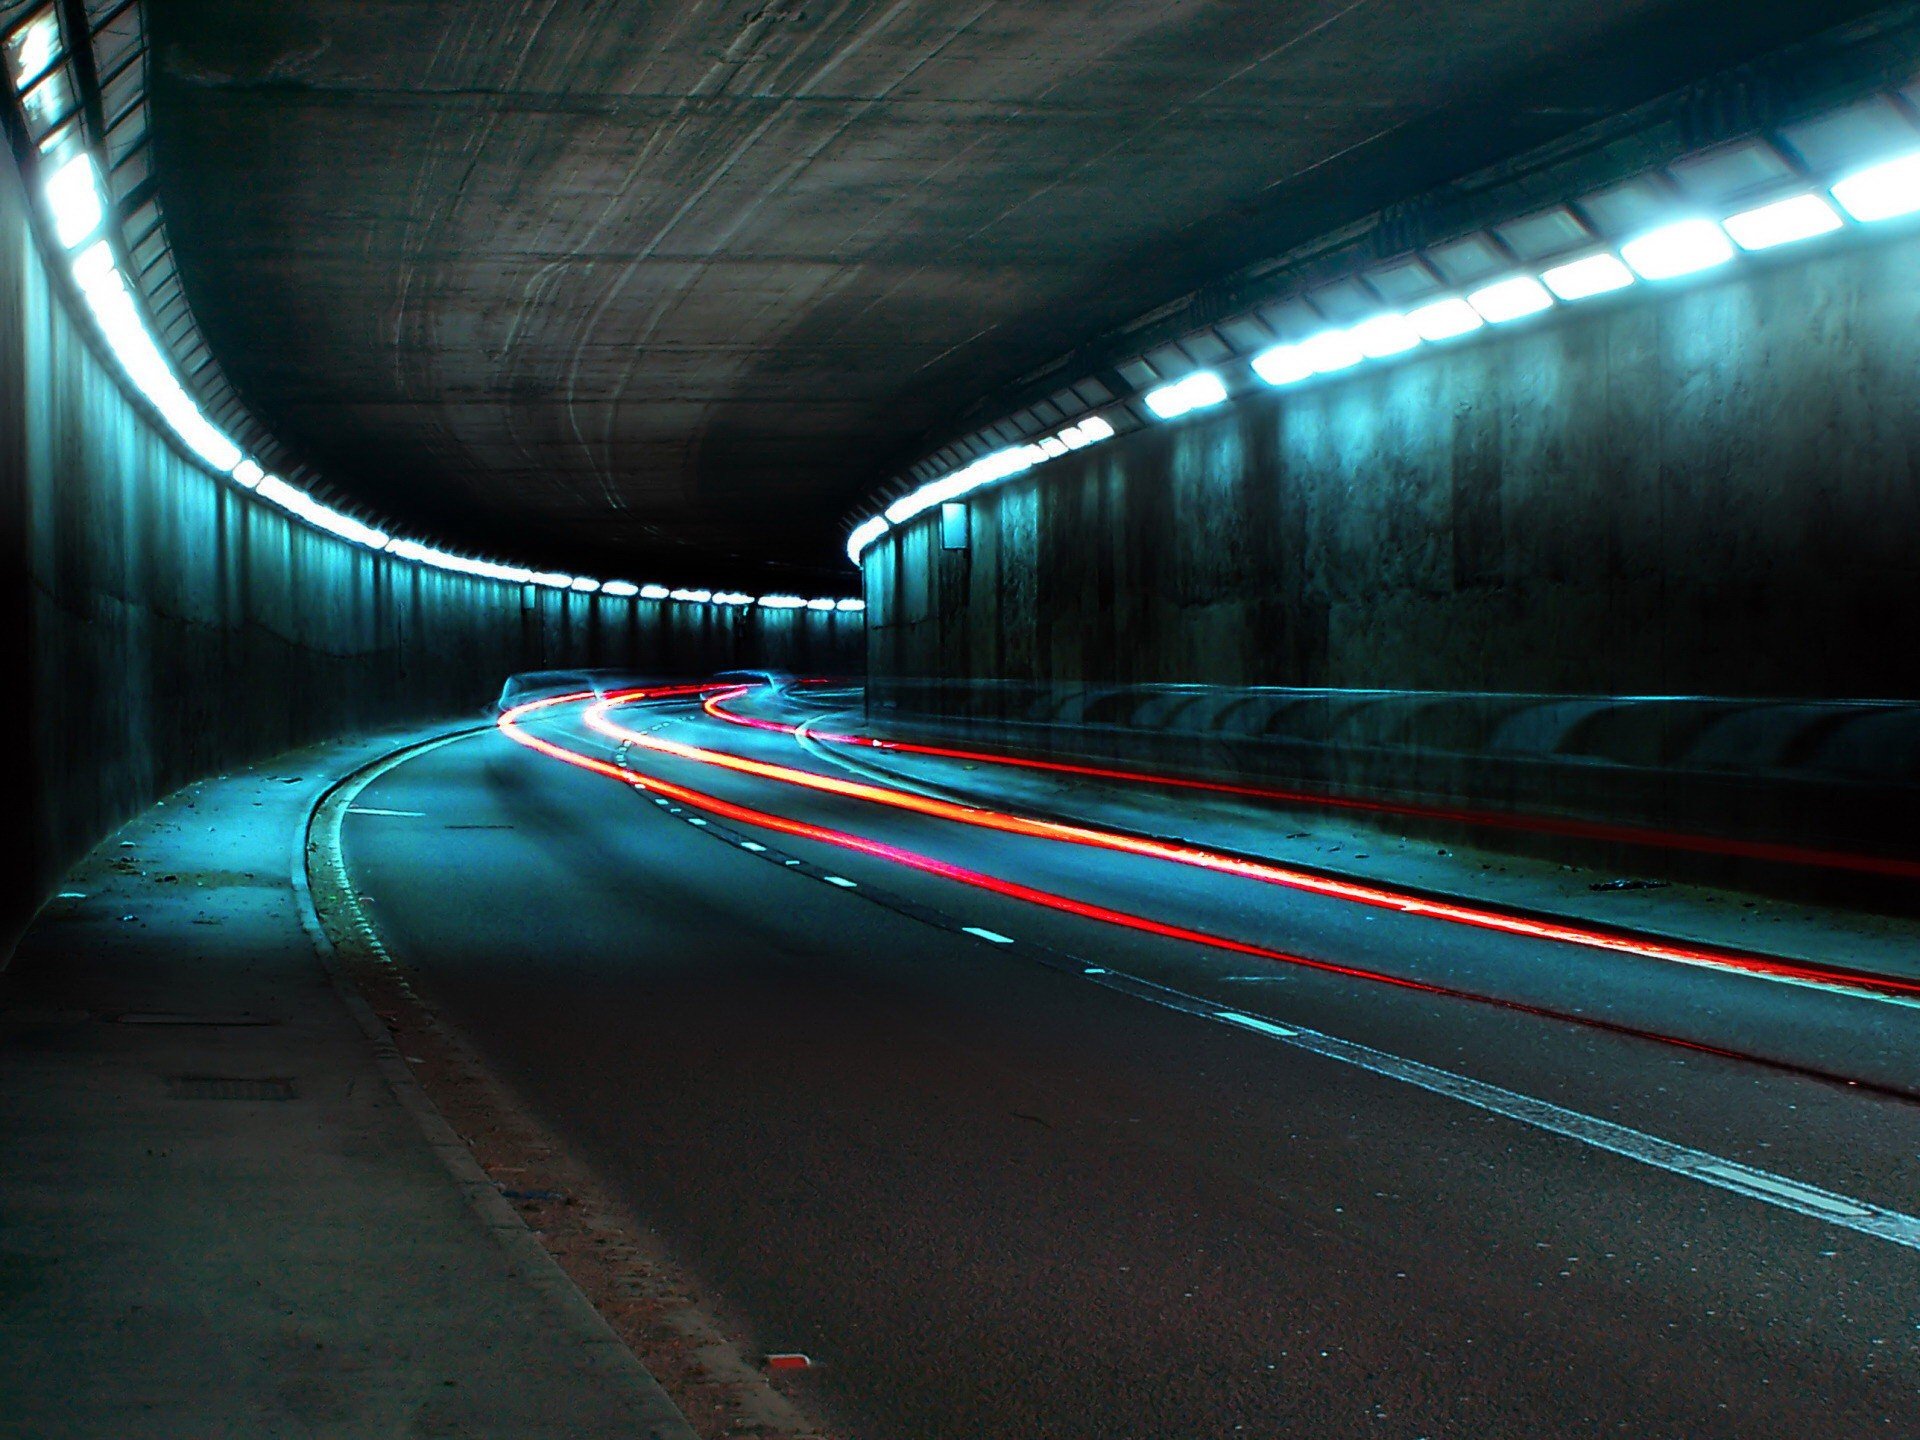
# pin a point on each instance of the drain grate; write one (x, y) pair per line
(227, 1087)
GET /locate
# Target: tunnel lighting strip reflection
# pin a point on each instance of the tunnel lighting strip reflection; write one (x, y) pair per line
(511, 724)
(75, 204)
(1788, 855)
(1377, 897)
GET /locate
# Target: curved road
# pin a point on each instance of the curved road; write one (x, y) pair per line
(1102, 1182)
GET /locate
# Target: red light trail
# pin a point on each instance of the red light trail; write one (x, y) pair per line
(1766, 851)
(510, 725)
(1378, 897)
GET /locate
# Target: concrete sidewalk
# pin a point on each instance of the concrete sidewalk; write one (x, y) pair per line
(220, 1214)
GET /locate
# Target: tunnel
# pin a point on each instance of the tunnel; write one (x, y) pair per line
(916, 719)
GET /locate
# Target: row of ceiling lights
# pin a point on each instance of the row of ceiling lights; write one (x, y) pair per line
(76, 207)
(1793, 212)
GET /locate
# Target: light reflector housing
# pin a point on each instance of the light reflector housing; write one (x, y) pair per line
(1685, 247)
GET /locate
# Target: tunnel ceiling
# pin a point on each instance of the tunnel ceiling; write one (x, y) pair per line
(662, 288)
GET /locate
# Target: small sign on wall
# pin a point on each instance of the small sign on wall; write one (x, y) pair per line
(955, 528)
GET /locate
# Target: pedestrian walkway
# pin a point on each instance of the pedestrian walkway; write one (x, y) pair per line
(225, 1210)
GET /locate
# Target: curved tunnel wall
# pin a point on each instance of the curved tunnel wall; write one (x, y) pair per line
(159, 625)
(1708, 492)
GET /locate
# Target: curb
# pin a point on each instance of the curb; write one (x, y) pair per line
(316, 841)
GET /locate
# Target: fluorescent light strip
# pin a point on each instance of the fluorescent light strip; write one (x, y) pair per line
(987, 470)
(1886, 191)
(1200, 391)
(73, 197)
(77, 211)
(1506, 301)
(1683, 248)
(1584, 279)
(1784, 222)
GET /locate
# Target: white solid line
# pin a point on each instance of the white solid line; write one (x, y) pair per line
(995, 936)
(841, 881)
(1253, 1022)
(1894, 1226)
(398, 814)
(1740, 1177)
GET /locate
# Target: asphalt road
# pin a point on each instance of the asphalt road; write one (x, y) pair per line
(997, 1195)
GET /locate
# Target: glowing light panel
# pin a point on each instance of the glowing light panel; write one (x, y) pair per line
(1584, 279)
(1882, 192)
(1684, 248)
(1199, 391)
(1506, 301)
(1784, 222)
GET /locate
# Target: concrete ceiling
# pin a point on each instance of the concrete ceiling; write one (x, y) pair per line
(659, 289)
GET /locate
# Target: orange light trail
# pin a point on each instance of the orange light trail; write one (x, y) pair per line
(1377, 897)
(509, 725)
(1762, 850)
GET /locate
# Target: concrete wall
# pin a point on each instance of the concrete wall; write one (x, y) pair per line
(1710, 491)
(156, 624)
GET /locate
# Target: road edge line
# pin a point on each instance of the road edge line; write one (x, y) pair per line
(534, 1263)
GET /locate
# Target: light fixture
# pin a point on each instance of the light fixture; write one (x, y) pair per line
(1583, 279)
(864, 534)
(1882, 192)
(783, 602)
(1445, 319)
(1053, 447)
(1385, 336)
(1685, 247)
(1506, 301)
(851, 607)
(624, 589)
(1093, 430)
(1330, 352)
(1199, 391)
(1784, 222)
(32, 48)
(111, 303)
(1282, 365)
(248, 474)
(654, 592)
(73, 196)
(819, 605)
(585, 586)
(297, 502)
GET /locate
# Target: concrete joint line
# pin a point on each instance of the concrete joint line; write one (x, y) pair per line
(316, 847)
